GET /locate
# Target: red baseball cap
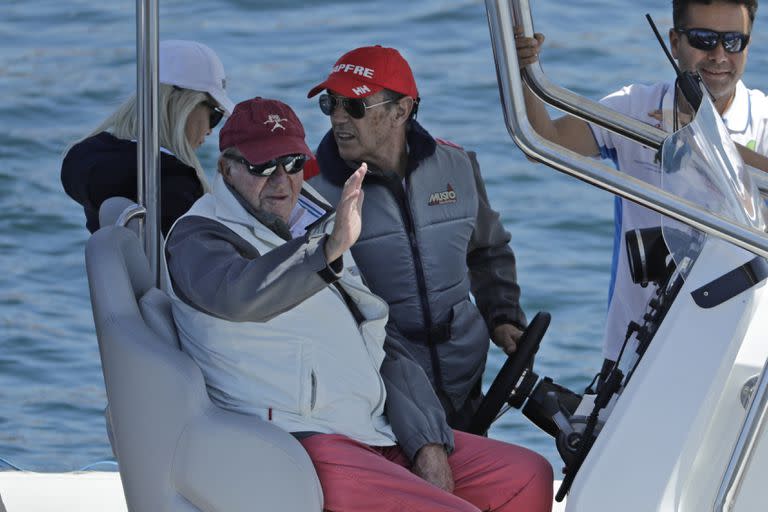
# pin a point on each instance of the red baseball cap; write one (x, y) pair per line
(263, 129)
(367, 70)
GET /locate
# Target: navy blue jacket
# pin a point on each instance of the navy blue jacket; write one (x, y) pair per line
(104, 166)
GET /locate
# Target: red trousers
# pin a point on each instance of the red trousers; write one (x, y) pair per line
(489, 475)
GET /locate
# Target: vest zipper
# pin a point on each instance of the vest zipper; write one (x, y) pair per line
(401, 198)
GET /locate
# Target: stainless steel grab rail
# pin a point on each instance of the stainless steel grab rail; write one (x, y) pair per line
(500, 20)
(744, 450)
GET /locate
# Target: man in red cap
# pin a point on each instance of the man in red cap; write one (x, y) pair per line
(265, 303)
(430, 238)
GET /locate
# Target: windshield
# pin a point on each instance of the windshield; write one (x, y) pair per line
(700, 163)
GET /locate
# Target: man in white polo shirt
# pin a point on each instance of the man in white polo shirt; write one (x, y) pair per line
(710, 37)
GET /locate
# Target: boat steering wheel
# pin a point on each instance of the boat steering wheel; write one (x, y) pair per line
(508, 380)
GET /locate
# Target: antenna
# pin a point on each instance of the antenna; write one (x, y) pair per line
(663, 45)
(690, 83)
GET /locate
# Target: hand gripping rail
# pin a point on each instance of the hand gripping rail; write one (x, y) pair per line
(501, 24)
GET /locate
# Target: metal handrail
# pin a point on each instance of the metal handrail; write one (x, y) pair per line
(500, 20)
(148, 140)
(744, 450)
(592, 111)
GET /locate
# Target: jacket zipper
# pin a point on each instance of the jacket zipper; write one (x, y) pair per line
(397, 190)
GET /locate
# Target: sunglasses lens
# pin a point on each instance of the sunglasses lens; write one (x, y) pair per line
(354, 107)
(294, 164)
(327, 104)
(734, 42)
(217, 114)
(702, 39)
(215, 119)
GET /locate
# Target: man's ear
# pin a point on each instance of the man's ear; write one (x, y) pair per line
(403, 109)
(674, 42)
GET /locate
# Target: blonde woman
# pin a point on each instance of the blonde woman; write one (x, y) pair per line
(192, 100)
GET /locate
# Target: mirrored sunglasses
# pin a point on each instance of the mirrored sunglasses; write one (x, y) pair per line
(707, 40)
(355, 107)
(217, 114)
(291, 163)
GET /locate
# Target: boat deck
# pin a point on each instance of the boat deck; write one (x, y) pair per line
(89, 491)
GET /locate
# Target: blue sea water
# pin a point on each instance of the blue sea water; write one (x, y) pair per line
(64, 66)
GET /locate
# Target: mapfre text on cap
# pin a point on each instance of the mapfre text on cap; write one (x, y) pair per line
(354, 69)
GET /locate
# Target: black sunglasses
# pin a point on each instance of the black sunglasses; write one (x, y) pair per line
(355, 107)
(217, 114)
(707, 40)
(291, 163)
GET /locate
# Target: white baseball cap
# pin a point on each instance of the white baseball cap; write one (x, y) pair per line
(195, 66)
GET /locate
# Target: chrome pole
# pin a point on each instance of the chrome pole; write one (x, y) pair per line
(741, 456)
(148, 146)
(500, 20)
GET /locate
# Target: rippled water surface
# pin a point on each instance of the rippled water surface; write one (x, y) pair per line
(65, 65)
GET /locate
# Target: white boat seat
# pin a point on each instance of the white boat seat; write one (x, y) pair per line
(177, 451)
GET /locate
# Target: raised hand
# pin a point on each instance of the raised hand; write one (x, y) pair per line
(348, 222)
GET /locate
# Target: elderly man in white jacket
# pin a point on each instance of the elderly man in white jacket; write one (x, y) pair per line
(267, 300)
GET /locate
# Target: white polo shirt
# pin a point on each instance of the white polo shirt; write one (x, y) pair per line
(745, 119)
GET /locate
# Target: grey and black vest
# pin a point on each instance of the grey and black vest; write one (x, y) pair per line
(412, 252)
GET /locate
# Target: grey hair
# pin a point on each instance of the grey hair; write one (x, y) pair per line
(174, 106)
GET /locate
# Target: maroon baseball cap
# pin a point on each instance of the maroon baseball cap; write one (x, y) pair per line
(367, 70)
(263, 129)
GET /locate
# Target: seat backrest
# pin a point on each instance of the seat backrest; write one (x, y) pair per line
(176, 450)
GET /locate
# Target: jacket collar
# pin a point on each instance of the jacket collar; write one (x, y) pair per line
(421, 145)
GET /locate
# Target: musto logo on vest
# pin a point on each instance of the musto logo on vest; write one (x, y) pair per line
(446, 197)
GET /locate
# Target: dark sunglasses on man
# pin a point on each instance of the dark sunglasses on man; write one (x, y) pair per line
(291, 163)
(355, 107)
(217, 114)
(707, 40)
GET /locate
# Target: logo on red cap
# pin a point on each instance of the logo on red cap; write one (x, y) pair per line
(277, 120)
(354, 69)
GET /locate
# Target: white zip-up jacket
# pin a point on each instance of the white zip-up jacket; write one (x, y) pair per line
(284, 346)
